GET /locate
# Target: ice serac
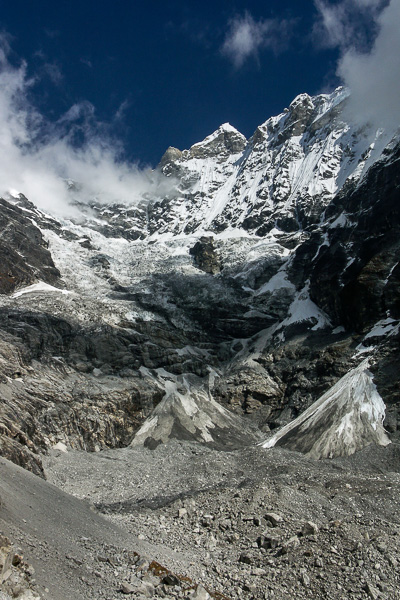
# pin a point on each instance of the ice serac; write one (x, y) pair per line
(189, 412)
(347, 418)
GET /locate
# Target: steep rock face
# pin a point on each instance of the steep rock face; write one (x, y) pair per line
(45, 401)
(171, 155)
(275, 380)
(204, 255)
(24, 256)
(355, 273)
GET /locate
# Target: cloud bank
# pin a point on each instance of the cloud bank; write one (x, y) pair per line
(246, 37)
(371, 70)
(374, 77)
(39, 158)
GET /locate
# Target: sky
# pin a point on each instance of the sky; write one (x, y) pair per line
(105, 84)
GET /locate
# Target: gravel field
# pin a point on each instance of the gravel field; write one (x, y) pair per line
(251, 523)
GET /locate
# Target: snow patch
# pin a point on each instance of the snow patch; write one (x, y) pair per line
(340, 221)
(304, 309)
(277, 282)
(384, 327)
(39, 287)
(339, 329)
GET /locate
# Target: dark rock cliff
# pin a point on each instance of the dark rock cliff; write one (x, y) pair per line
(24, 257)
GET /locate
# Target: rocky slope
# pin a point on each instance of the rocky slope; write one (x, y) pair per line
(208, 524)
(247, 524)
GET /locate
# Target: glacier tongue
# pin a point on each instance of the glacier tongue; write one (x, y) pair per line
(345, 419)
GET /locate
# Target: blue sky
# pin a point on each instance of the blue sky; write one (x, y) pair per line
(161, 67)
(96, 91)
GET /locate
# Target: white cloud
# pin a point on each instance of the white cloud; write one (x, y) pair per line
(123, 107)
(332, 29)
(38, 157)
(87, 62)
(371, 3)
(54, 72)
(246, 37)
(346, 23)
(368, 36)
(374, 77)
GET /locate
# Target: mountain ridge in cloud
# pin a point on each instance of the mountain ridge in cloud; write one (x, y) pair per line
(38, 156)
(374, 77)
(367, 35)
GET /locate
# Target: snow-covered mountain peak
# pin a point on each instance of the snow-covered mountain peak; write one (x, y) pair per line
(225, 128)
(304, 111)
(301, 100)
(223, 142)
(284, 176)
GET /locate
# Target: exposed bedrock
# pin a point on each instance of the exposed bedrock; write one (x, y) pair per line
(24, 256)
(45, 400)
(204, 255)
(282, 381)
(356, 277)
